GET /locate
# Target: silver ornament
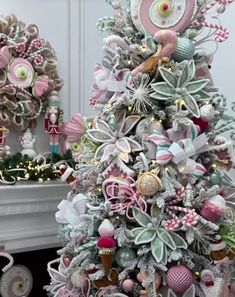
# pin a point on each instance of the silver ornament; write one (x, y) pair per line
(123, 256)
(185, 50)
(216, 179)
(221, 8)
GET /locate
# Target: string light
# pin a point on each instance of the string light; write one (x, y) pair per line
(214, 166)
(18, 167)
(143, 48)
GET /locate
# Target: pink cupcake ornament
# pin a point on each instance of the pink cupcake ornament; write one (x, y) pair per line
(214, 208)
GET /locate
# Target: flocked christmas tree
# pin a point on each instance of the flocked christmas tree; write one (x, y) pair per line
(151, 210)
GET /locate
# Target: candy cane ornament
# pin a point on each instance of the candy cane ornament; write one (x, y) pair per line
(168, 39)
(11, 261)
(221, 33)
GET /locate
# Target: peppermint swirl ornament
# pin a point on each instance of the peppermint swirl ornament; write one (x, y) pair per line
(150, 16)
(16, 282)
(20, 73)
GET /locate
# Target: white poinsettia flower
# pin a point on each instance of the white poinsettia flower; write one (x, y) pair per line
(115, 142)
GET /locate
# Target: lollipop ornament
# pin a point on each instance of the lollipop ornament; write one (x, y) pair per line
(162, 19)
(150, 16)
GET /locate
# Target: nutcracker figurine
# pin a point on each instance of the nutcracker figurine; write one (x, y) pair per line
(4, 149)
(52, 121)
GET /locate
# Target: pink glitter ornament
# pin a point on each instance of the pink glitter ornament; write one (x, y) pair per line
(214, 208)
(179, 278)
(128, 285)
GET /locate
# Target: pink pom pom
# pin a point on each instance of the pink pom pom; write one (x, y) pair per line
(204, 125)
(179, 278)
(106, 242)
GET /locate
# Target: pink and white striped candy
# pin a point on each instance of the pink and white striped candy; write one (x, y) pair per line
(163, 156)
(191, 132)
(199, 171)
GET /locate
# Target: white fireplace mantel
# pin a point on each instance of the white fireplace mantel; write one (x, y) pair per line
(27, 215)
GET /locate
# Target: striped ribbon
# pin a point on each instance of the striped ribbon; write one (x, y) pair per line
(179, 147)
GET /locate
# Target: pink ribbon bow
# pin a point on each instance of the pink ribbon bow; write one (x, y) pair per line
(123, 196)
(180, 147)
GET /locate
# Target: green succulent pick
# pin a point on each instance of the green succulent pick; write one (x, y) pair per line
(160, 239)
(184, 87)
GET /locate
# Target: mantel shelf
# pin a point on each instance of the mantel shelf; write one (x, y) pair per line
(27, 215)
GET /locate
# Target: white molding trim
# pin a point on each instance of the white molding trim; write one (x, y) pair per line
(76, 55)
(27, 216)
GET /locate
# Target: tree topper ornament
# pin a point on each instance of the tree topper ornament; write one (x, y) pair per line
(150, 16)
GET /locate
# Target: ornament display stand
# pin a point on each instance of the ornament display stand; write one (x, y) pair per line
(27, 216)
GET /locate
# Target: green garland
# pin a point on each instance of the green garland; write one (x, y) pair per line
(18, 167)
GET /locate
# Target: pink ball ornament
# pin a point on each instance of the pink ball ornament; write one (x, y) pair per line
(128, 285)
(214, 208)
(179, 278)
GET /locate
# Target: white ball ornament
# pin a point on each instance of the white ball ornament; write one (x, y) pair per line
(208, 112)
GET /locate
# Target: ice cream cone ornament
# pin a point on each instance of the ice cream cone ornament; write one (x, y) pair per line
(218, 251)
(106, 245)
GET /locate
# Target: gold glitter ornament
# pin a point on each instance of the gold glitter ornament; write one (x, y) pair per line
(148, 183)
(197, 276)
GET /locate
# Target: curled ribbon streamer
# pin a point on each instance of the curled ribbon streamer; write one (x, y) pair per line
(123, 195)
(180, 150)
(10, 258)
